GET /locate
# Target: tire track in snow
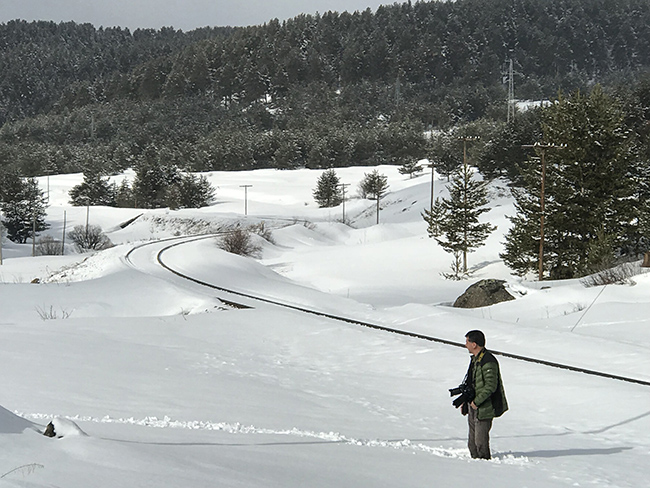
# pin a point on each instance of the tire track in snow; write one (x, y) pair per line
(240, 429)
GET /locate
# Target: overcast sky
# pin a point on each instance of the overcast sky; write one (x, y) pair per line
(181, 14)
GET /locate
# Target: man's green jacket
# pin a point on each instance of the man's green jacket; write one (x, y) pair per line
(490, 397)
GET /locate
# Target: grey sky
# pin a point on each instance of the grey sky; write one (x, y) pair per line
(181, 14)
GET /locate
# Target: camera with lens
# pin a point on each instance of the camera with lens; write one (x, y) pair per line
(466, 393)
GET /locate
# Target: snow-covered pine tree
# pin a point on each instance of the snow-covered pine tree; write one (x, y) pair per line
(23, 211)
(153, 177)
(190, 192)
(93, 190)
(328, 191)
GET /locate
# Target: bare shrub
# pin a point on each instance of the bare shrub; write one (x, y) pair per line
(620, 274)
(51, 314)
(263, 231)
(89, 238)
(48, 246)
(240, 241)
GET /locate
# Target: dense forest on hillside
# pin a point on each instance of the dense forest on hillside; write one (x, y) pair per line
(322, 91)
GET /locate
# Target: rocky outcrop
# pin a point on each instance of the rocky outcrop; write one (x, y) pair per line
(483, 294)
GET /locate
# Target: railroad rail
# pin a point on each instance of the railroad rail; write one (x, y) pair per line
(370, 325)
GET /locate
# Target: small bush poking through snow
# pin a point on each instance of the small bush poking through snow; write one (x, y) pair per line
(48, 246)
(52, 314)
(90, 238)
(263, 231)
(240, 241)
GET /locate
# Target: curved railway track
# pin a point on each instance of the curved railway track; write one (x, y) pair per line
(361, 323)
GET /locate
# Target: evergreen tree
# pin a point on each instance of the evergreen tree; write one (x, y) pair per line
(523, 238)
(190, 192)
(24, 211)
(590, 195)
(328, 191)
(153, 177)
(374, 185)
(411, 168)
(443, 149)
(435, 217)
(457, 219)
(93, 190)
(124, 197)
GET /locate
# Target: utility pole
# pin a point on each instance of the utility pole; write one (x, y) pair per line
(245, 187)
(433, 171)
(343, 187)
(511, 93)
(542, 147)
(34, 234)
(465, 139)
(378, 209)
(63, 236)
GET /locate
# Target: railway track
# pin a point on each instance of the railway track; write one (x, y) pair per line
(349, 320)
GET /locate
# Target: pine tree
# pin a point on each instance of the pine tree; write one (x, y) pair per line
(124, 195)
(153, 178)
(24, 211)
(411, 168)
(190, 192)
(328, 191)
(443, 149)
(374, 185)
(435, 217)
(590, 196)
(456, 221)
(93, 190)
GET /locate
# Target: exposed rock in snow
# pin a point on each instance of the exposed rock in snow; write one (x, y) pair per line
(59, 427)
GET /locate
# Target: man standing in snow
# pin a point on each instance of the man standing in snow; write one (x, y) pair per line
(489, 396)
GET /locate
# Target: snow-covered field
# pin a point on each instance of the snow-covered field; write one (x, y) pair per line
(153, 381)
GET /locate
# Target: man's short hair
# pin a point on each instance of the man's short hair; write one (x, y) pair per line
(476, 336)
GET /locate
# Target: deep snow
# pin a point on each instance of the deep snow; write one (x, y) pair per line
(154, 381)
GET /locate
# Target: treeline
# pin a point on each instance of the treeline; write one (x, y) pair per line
(41, 62)
(320, 91)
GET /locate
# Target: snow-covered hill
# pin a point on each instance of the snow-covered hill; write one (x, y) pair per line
(172, 387)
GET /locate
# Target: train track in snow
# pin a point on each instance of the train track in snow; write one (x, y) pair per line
(361, 323)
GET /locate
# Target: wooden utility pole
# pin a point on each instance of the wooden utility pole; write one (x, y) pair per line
(63, 236)
(433, 172)
(34, 234)
(343, 187)
(542, 147)
(511, 93)
(378, 209)
(245, 187)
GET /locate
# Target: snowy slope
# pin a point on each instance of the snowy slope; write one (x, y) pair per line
(156, 382)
